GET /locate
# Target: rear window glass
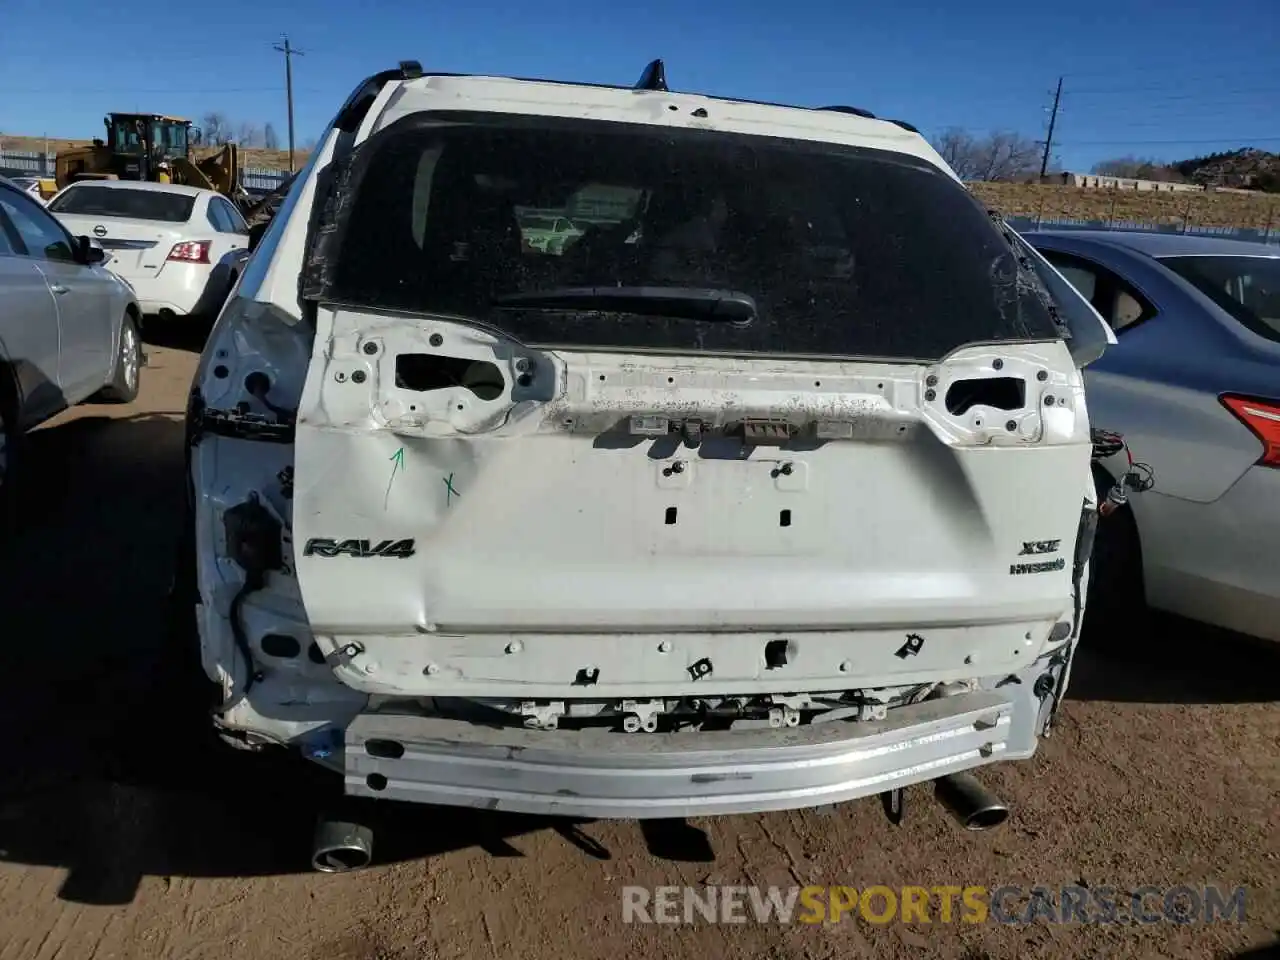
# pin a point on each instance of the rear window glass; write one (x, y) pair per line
(845, 251)
(123, 202)
(1248, 288)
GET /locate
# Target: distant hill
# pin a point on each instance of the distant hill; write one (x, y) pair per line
(1247, 168)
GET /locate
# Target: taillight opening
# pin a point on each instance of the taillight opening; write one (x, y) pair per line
(1263, 418)
(190, 251)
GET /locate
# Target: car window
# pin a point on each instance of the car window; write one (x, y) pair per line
(95, 201)
(221, 216)
(1248, 288)
(213, 214)
(235, 222)
(39, 234)
(846, 251)
(1119, 302)
(8, 236)
(1086, 281)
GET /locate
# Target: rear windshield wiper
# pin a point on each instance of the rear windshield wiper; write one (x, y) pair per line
(685, 303)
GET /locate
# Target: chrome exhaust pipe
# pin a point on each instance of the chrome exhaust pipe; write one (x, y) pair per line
(340, 847)
(972, 804)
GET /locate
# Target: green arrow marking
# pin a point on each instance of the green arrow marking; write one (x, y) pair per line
(397, 459)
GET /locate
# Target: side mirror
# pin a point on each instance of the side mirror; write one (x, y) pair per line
(89, 251)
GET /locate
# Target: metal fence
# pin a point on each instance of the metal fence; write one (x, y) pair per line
(22, 164)
(1269, 235)
(40, 164)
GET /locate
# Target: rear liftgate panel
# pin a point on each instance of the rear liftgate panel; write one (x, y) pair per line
(474, 517)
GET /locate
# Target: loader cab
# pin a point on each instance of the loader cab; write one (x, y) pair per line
(138, 142)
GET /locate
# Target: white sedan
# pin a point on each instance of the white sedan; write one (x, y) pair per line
(164, 239)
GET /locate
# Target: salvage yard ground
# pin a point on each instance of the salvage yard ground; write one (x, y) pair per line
(123, 835)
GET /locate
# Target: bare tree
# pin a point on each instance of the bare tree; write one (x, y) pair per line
(250, 135)
(956, 147)
(1005, 155)
(1001, 155)
(270, 139)
(216, 129)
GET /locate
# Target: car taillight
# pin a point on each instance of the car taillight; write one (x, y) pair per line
(1263, 418)
(190, 251)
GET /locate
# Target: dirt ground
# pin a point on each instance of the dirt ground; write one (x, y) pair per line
(122, 835)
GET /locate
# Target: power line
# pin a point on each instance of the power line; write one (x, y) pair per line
(1234, 74)
(1122, 91)
(1107, 143)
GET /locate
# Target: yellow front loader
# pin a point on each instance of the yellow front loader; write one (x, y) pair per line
(154, 147)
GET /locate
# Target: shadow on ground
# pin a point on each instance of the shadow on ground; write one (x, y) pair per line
(1268, 951)
(182, 333)
(1178, 662)
(111, 771)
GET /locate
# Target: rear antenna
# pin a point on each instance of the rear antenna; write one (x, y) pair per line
(653, 78)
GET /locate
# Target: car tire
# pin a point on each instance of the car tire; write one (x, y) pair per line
(1116, 616)
(127, 374)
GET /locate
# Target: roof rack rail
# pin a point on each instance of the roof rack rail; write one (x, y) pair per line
(905, 126)
(410, 70)
(653, 78)
(856, 111)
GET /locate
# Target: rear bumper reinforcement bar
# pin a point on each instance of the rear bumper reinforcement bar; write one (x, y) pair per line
(599, 774)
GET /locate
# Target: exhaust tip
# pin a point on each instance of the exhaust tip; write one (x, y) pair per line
(340, 847)
(985, 819)
(972, 805)
(339, 859)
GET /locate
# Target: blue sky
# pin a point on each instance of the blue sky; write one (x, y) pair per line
(1164, 78)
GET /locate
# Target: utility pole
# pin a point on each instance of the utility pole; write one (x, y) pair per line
(1048, 140)
(289, 53)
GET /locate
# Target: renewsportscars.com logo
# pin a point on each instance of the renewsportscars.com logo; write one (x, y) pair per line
(879, 904)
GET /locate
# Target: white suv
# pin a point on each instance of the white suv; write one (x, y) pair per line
(772, 490)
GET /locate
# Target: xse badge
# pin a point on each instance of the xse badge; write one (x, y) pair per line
(1033, 548)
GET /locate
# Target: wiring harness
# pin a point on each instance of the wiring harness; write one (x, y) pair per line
(1137, 477)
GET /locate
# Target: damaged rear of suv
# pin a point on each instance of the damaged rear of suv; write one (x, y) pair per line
(768, 488)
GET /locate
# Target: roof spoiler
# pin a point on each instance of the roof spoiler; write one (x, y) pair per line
(361, 99)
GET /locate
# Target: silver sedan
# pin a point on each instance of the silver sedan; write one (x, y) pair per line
(1193, 386)
(69, 328)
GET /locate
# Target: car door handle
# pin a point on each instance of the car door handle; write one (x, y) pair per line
(59, 288)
